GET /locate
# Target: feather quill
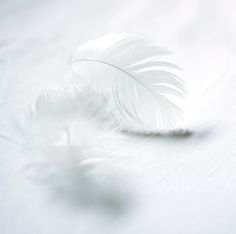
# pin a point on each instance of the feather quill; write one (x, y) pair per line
(128, 71)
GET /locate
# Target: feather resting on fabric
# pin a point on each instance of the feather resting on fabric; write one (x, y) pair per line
(61, 133)
(119, 86)
(128, 71)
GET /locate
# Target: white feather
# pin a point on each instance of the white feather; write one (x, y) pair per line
(63, 135)
(126, 69)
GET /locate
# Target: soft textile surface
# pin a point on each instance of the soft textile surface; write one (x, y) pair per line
(181, 182)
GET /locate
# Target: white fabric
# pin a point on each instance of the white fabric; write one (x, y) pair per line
(173, 184)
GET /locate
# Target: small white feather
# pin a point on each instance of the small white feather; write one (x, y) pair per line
(126, 69)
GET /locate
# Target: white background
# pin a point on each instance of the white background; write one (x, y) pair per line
(182, 185)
